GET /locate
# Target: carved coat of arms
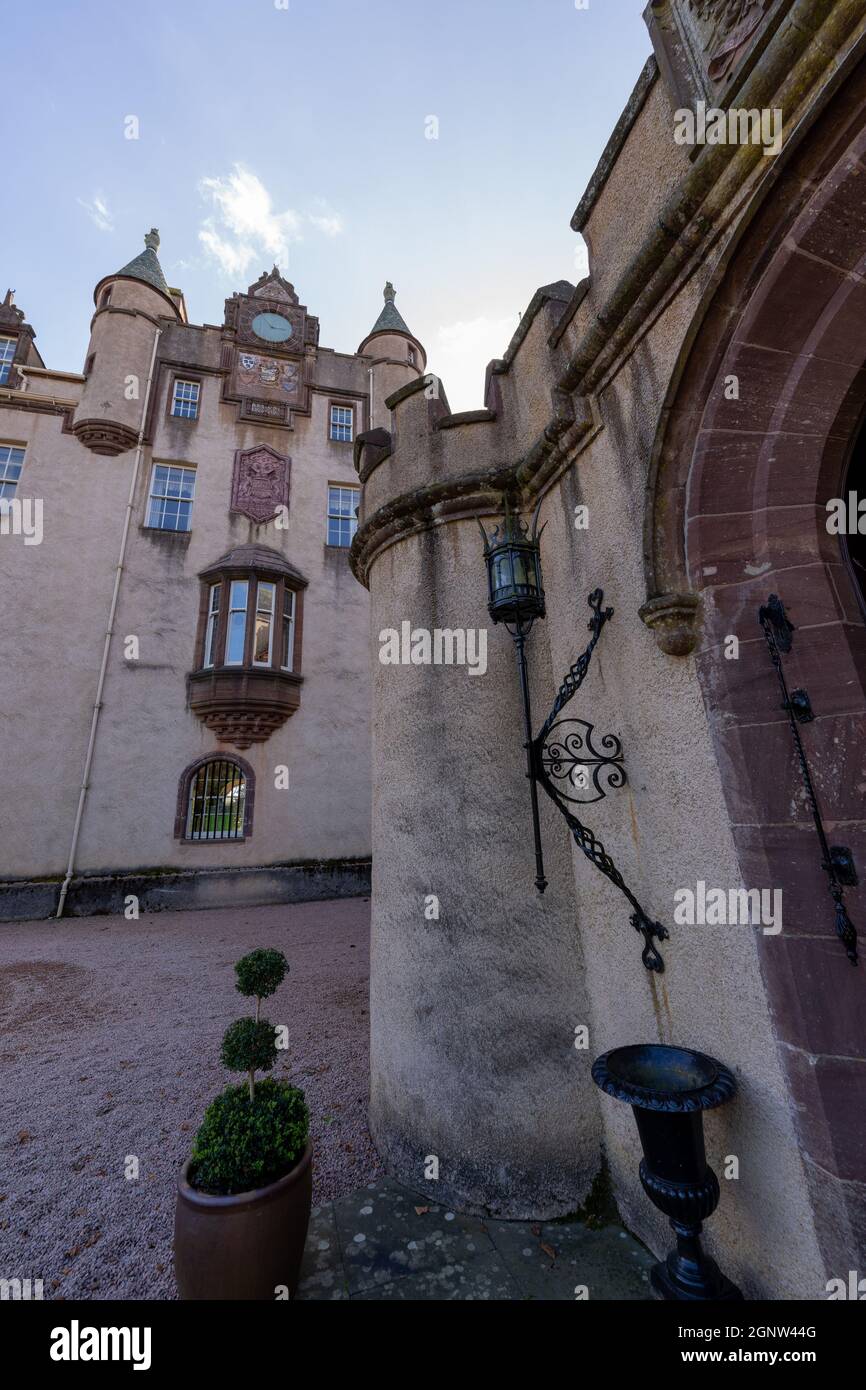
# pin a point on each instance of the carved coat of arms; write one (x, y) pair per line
(731, 24)
(260, 483)
(268, 371)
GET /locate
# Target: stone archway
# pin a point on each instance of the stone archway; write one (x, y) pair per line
(756, 440)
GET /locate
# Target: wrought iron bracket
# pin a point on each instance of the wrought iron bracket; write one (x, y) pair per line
(555, 757)
(837, 861)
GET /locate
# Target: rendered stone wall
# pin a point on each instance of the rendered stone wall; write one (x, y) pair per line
(473, 1013)
(57, 596)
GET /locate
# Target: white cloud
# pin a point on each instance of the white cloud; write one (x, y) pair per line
(462, 352)
(245, 224)
(329, 223)
(246, 228)
(98, 211)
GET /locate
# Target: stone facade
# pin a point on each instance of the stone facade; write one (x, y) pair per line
(700, 395)
(252, 424)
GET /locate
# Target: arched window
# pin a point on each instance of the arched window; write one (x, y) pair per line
(215, 800)
(246, 681)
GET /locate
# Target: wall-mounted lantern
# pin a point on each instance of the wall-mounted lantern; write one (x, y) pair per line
(563, 758)
(513, 557)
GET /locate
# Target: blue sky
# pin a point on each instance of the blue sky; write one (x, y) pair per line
(299, 134)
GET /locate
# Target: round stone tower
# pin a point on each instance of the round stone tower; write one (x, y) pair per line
(479, 1096)
(129, 307)
(398, 358)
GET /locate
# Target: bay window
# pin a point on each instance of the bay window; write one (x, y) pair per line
(246, 680)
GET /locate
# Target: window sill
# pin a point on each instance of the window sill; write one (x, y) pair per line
(163, 536)
(236, 840)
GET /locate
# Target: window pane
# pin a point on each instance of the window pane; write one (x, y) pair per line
(11, 463)
(213, 617)
(262, 646)
(237, 622)
(7, 352)
(342, 521)
(185, 400)
(264, 613)
(288, 637)
(171, 497)
(342, 419)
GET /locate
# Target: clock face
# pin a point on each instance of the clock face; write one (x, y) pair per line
(272, 327)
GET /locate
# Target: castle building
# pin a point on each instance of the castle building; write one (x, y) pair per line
(185, 652)
(684, 424)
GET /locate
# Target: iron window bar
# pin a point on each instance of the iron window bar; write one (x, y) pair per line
(216, 801)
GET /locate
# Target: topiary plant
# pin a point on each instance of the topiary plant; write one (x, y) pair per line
(260, 973)
(251, 1134)
(242, 1145)
(249, 1044)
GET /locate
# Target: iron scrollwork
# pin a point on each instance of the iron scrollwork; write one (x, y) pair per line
(553, 759)
(572, 760)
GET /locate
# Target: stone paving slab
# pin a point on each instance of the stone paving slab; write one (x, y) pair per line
(388, 1243)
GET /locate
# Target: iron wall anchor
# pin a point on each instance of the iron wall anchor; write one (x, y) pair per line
(837, 863)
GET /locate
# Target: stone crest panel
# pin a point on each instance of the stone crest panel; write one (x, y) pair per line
(707, 48)
(260, 482)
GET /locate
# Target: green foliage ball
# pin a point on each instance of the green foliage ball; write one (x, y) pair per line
(249, 1046)
(261, 972)
(243, 1145)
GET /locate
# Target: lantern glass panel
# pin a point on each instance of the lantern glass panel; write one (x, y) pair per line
(523, 567)
(502, 572)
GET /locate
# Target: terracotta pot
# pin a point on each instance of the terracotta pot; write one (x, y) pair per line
(246, 1246)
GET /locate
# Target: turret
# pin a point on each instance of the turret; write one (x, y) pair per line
(398, 357)
(129, 307)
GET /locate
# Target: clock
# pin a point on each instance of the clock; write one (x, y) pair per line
(273, 328)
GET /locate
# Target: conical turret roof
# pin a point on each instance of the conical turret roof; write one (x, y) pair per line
(390, 320)
(146, 266)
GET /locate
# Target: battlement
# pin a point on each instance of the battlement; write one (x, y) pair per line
(434, 464)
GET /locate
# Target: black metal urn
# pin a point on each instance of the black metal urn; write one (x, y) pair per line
(668, 1089)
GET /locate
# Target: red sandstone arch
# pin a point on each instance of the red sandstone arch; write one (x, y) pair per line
(736, 512)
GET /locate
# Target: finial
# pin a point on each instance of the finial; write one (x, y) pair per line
(151, 239)
(390, 293)
(9, 300)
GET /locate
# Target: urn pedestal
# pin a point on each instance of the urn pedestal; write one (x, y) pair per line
(668, 1089)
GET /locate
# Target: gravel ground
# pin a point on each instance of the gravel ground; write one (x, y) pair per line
(110, 1034)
